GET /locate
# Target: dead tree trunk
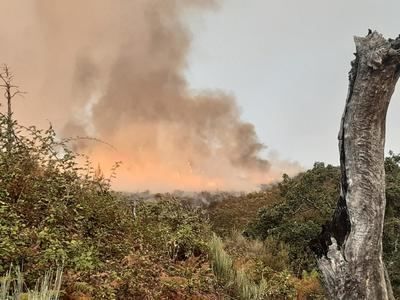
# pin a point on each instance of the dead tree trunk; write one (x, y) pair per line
(349, 249)
(10, 91)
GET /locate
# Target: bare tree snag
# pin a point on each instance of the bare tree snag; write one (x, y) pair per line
(349, 249)
(10, 91)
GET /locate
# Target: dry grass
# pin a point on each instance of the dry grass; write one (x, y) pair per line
(222, 264)
(223, 268)
(12, 286)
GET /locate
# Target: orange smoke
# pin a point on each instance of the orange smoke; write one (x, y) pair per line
(113, 70)
(166, 168)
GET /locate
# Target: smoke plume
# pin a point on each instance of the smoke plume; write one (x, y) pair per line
(113, 70)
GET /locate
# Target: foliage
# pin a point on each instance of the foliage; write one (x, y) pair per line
(307, 201)
(170, 256)
(171, 225)
(391, 230)
(54, 206)
(234, 212)
(53, 210)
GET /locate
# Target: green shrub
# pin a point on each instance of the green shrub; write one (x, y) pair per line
(54, 206)
(178, 230)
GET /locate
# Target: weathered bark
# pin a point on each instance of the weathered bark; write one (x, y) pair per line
(349, 249)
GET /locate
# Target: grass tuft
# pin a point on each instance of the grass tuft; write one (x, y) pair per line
(222, 264)
(47, 288)
(224, 270)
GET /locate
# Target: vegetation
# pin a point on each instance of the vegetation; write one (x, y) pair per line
(12, 286)
(53, 210)
(295, 211)
(228, 214)
(307, 202)
(56, 209)
(248, 279)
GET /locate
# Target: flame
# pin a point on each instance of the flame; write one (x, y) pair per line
(147, 170)
(151, 160)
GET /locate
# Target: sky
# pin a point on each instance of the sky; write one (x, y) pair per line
(286, 62)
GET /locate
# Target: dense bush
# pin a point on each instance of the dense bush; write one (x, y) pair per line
(234, 212)
(52, 210)
(55, 208)
(308, 201)
(169, 257)
(391, 231)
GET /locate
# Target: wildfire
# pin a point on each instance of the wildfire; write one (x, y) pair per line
(149, 172)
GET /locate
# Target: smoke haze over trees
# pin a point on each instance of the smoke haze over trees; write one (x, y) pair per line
(114, 71)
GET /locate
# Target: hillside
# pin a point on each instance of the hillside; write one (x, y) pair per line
(55, 211)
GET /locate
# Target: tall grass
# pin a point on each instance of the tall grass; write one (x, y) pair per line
(224, 270)
(247, 289)
(222, 264)
(5, 284)
(12, 286)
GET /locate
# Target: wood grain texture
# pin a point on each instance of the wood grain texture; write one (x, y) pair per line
(349, 249)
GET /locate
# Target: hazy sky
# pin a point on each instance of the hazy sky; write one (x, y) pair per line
(286, 61)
